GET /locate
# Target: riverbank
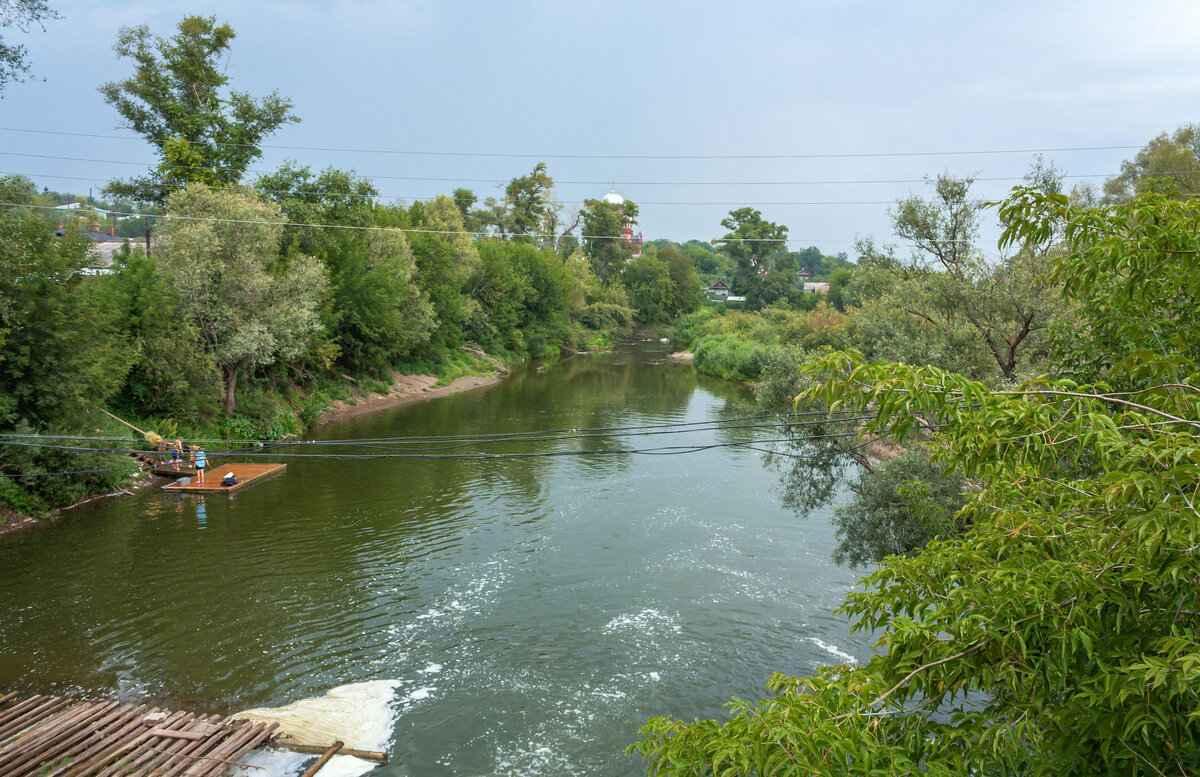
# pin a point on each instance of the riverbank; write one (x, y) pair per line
(12, 522)
(405, 389)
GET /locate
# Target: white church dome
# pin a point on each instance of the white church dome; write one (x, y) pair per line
(613, 198)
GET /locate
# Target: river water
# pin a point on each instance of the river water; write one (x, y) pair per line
(528, 613)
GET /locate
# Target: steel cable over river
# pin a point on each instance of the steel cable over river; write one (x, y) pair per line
(523, 617)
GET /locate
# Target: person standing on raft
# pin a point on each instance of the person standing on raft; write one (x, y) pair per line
(201, 463)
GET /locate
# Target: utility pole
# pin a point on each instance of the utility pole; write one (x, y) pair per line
(146, 225)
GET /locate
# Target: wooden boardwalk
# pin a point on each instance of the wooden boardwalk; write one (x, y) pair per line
(49, 736)
(246, 474)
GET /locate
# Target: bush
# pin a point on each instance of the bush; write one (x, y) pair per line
(897, 509)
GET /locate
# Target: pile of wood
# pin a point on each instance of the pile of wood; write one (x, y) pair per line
(50, 736)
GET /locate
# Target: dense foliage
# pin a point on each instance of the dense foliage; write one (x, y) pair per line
(175, 100)
(1060, 632)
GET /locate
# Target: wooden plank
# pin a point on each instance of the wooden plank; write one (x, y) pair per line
(53, 738)
(246, 474)
(30, 710)
(246, 739)
(37, 729)
(192, 735)
(227, 748)
(128, 751)
(156, 756)
(141, 759)
(65, 749)
(107, 736)
(6, 698)
(187, 748)
(324, 759)
(370, 755)
(112, 756)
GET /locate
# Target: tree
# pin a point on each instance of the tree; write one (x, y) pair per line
(751, 241)
(686, 283)
(21, 14)
(602, 223)
(62, 351)
(530, 199)
(1009, 304)
(338, 197)
(250, 306)
(175, 99)
(1174, 158)
(171, 375)
(651, 292)
(1060, 633)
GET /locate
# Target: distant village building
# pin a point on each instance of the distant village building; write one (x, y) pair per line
(105, 245)
(735, 298)
(719, 291)
(819, 287)
(613, 198)
(803, 277)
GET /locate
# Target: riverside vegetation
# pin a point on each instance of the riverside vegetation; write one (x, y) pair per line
(1036, 545)
(1037, 588)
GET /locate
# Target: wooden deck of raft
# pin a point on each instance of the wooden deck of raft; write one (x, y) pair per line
(246, 474)
(49, 736)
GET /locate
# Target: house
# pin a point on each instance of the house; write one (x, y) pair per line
(803, 277)
(105, 245)
(819, 287)
(718, 291)
(735, 298)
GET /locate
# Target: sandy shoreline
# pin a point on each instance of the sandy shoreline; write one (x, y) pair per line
(405, 390)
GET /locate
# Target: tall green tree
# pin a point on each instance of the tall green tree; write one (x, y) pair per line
(250, 306)
(62, 348)
(176, 100)
(606, 249)
(1010, 304)
(173, 374)
(530, 199)
(685, 292)
(1060, 633)
(651, 292)
(750, 241)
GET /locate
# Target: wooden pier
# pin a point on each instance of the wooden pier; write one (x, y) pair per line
(245, 473)
(49, 736)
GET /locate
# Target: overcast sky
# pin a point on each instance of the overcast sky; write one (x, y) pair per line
(653, 79)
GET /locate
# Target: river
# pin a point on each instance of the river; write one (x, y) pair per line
(529, 613)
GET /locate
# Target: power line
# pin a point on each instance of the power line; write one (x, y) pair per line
(416, 230)
(301, 194)
(781, 421)
(605, 182)
(499, 155)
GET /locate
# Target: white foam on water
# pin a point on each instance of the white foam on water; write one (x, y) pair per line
(643, 621)
(421, 693)
(432, 669)
(360, 714)
(834, 650)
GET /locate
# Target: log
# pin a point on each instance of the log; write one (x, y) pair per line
(169, 754)
(370, 755)
(310, 771)
(195, 736)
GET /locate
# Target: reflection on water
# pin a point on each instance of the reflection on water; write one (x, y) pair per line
(531, 613)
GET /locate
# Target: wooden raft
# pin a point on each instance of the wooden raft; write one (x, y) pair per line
(49, 736)
(246, 474)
